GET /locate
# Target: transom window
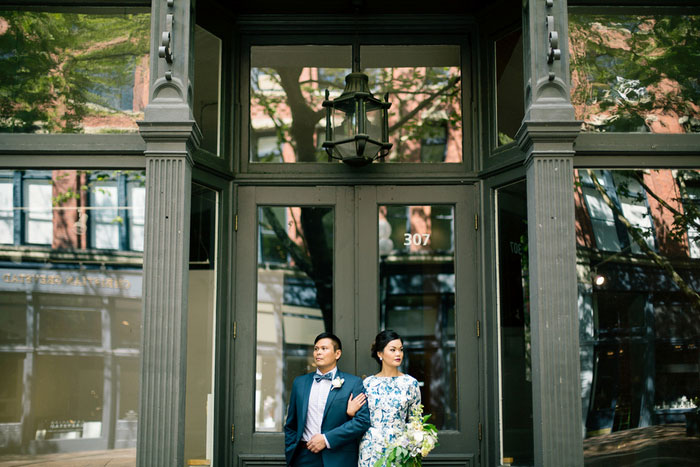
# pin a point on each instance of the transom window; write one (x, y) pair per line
(288, 85)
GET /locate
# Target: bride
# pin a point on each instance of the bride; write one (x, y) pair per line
(390, 396)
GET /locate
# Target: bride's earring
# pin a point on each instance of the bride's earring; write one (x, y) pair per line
(380, 359)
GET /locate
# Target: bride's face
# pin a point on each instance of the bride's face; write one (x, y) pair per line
(392, 355)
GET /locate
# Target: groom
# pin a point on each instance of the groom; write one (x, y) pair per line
(318, 432)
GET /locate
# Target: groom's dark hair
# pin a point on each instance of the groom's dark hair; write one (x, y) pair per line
(331, 336)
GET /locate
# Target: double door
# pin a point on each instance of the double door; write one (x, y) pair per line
(354, 261)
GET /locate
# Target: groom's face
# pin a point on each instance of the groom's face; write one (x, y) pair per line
(325, 355)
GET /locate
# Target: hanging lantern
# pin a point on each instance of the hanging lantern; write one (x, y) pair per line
(357, 123)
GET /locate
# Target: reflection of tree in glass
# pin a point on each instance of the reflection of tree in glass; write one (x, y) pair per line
(425, 100)
(57, 68)
(636, 73)
(683, 221)
(313, 255)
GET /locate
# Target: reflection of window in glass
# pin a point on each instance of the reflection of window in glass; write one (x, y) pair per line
(621, 192)
(92, 70)
(126, 323)
(7, 213)
(433, 146)
(207, 87)
(105, 217)
(294, 301)
(417, 300)
(11, 366)
(424, 86)
(514, 325)
(510, 99)
(690, 184)
(69, 320)
(38, 212)
(13, 319)
(268, 147)
(137, 216)
(287, 86)
(635, 73)
(639, 318)
(69, 403)
(272, 249)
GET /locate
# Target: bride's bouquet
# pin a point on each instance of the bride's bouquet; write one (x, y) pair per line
(411, 445)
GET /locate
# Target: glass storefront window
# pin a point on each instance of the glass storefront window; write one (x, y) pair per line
(639, 309)
(517, 446)
(424, 86)
(417, 299)
(73, 73)
(206, 105)
(510, 98)
(635, 73)
(295, 302)
(69, 306)
(201, 327)
(287, 86)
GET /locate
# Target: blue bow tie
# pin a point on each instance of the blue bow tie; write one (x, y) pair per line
(319, 378)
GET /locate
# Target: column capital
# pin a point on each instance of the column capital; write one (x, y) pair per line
(547, 138)
(170, 139)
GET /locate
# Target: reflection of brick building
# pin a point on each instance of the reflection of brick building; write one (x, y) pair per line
(70, 291)
(639, 340)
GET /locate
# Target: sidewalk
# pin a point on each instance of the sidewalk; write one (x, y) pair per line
(111, 458)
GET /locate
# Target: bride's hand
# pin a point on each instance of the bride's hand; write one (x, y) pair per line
(355, 404)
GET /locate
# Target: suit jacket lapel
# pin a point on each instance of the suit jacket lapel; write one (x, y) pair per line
(331, 396)
(305, 400)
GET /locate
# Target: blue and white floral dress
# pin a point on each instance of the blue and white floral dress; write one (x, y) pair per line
(390, 400)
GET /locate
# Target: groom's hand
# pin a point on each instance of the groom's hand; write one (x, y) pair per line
(317, 443)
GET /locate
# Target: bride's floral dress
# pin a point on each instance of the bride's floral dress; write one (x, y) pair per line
(390, 400)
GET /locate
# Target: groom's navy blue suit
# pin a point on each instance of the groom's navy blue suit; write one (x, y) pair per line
(342, 432)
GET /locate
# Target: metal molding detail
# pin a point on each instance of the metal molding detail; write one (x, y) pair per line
(163, 364)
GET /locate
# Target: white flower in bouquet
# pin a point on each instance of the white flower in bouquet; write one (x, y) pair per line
(410, 445)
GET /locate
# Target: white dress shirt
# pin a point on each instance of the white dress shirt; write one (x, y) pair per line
(317, 404)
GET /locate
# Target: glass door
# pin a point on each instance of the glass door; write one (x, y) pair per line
(421, 282)
(353, 261)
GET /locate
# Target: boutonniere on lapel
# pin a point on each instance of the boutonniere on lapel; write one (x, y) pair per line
(337, 382)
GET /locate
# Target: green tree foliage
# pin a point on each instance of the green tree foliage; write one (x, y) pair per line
(56, 68)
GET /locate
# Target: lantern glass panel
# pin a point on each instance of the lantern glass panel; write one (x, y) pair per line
(344, 125)
(373, 125)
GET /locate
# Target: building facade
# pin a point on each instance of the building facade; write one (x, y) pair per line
(173, 236)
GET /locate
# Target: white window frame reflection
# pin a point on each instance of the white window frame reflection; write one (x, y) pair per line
(38, 221)
(104, 232)
(606, 228)
(136, 196)
(7, 213)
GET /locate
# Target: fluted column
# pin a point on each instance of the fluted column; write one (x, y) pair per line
(171, 137)
(166, 259)
(546, 136)
(553, 295)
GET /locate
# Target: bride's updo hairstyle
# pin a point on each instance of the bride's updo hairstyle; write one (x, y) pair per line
(381, 341)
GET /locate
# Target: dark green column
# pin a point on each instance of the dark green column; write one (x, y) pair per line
(547, 136)
(171, 137)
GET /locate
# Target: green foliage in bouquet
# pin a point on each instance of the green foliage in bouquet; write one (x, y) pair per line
(411, 445)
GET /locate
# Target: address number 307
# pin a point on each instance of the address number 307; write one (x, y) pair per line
(416, 239)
